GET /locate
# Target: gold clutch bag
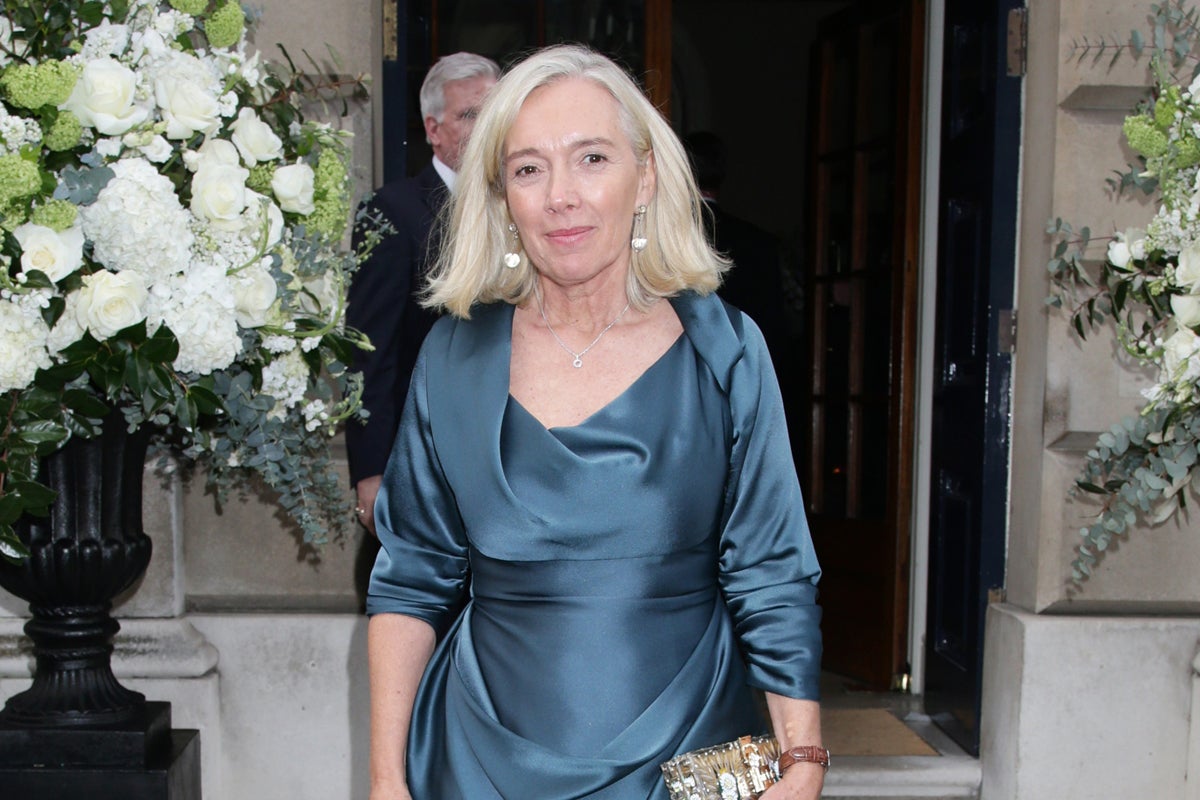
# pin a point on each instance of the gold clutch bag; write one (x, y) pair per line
(740, 770)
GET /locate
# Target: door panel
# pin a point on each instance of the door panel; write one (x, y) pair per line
(866, 72)
(970, 424)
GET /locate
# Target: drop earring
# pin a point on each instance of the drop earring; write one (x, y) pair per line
(639, 240)
(512, 259)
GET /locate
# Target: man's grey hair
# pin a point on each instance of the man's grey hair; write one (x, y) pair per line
(454, 67)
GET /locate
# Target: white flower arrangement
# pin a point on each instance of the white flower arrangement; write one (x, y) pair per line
(172, 234)
(1148, 290)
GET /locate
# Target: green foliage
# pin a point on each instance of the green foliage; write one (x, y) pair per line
(1143, 468)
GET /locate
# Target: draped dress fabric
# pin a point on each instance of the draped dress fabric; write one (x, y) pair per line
(605, 594)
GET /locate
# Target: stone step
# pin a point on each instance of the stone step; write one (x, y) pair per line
(950, 775)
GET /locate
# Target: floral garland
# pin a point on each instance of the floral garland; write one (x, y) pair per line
(172, 233)
(1148, 290)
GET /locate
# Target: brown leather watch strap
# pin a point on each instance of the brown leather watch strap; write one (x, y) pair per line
(811, 754)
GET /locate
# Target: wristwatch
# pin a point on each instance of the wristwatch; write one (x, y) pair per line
(811, 754)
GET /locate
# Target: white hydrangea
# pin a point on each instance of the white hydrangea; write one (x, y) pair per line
(315, 415)
(106, 39)
(67, 330)
(109, 146)
(275, 343)
(16, 132)
(138, 223)
(200, 309)
(23, 335)
(172, 24)
(286, 379)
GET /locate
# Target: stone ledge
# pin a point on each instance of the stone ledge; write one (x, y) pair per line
(1104, 97)
(144, 648)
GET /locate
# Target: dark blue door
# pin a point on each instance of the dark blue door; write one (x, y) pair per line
(972, 378)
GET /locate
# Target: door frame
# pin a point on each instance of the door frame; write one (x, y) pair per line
(918, 602)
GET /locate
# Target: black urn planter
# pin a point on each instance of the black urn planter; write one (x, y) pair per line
(88, 551)
(77, 732)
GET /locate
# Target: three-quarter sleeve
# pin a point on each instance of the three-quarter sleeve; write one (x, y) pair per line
(422, 566)
(768, 568)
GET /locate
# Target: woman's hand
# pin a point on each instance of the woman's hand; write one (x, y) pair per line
(802, 781)
(365, 492)
(796, 723)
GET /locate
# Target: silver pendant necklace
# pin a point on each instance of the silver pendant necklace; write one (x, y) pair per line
(578, 362)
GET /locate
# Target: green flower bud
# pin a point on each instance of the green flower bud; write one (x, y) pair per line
(1188, 154)
(329, 219)
(193, 7)
(330, 172)
(12, 216)
(332, 212)
(18, 179)
(260, 177)
(55, 214)
(64, 134)
(1143, 137)
(33, 86)
(226, 25)
(1164, 108)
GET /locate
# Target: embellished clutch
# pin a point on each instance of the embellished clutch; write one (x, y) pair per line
(740, 770)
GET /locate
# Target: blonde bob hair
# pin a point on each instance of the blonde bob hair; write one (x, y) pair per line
(470, 268)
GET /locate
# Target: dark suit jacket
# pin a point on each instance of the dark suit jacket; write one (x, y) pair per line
(755, 283)
(382, 304)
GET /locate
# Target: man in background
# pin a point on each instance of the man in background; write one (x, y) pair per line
(755, 283)
(383, 297)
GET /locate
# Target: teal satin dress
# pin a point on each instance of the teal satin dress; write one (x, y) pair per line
(606, 594)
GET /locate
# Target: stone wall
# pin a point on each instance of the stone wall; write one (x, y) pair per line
(1068, 391)
(1085, 695)
(1094, 706)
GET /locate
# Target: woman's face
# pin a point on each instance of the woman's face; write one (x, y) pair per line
(572, 182)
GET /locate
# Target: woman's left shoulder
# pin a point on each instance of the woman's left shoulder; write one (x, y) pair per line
(710, 316)
(725, 337)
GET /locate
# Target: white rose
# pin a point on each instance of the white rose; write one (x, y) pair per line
(110, 302)
(48, 251)
(186, 107)
(213, 151)
(103, 98)
(1118, 253)
(6, 41)
(317, 294)
(219, 194)
(1186, 309)
(1179, 353)
(274, 219)
(1187, 274)
(254, 293)
(1136, 237)
(254, 138)
(293, 188)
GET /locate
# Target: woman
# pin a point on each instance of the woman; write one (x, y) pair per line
(593, 459)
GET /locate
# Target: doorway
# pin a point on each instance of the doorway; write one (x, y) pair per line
(820, 105)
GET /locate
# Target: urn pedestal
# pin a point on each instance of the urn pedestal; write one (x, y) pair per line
(77, 732)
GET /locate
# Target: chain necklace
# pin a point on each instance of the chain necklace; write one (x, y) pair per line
(578, 362)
